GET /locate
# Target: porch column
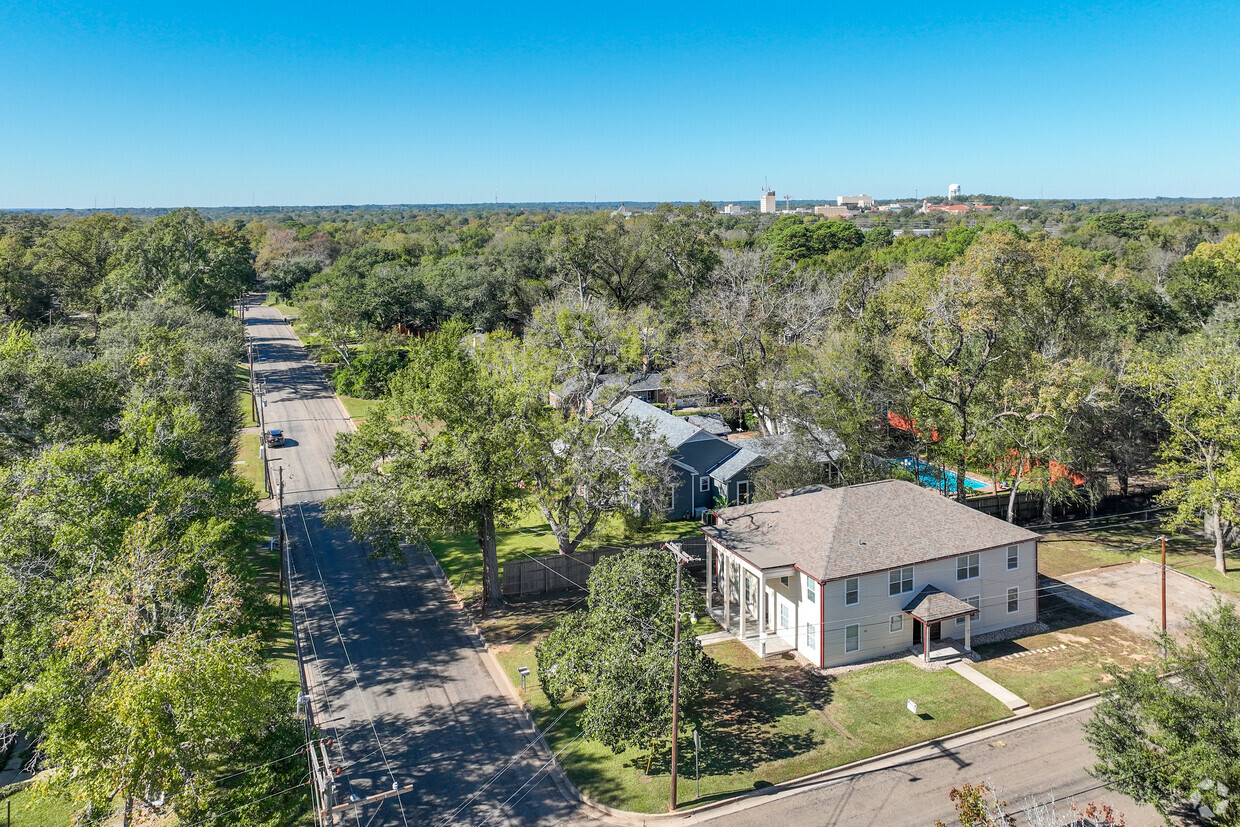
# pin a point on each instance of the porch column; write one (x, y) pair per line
(727, 590)
(761, 615)
(742, 582)
(710, 575)
(925, 641)
(968, 632)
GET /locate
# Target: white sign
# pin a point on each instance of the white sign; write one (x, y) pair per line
(912, 707)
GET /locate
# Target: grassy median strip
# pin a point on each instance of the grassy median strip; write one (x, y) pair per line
(761, 722)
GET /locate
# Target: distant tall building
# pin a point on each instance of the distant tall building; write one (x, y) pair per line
(861, 202)
(953, 191)
(768, 200)
(733, 209)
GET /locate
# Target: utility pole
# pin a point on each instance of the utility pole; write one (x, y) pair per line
(681, 559)
(280, 496)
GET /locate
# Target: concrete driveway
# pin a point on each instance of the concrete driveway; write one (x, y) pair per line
(1130, 594)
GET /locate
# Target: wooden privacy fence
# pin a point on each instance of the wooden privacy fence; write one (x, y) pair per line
(564, 572)
(1028, 505)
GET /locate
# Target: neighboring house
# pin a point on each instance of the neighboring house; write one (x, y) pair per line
(644, 385)
(711, 423)
(705, 466)
(847, 574)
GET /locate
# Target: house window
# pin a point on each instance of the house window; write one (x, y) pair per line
(852, 637)
(811, 640)
(1013, 600)
(703, 484)
(968, 566)
(783, 581)
(742, 492)
(1013, 557)
(975, 601)
(809, 591)
(897, 623)
(900, 580)
(783, 615)
(850, 592)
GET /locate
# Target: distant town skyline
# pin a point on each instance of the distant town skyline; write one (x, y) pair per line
(144, 104)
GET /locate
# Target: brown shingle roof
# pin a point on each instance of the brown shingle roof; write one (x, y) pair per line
(933, 605)
(844, 532)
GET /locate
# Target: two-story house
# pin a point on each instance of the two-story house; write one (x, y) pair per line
(848, 574)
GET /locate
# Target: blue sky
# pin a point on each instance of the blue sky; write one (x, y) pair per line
(221, 103)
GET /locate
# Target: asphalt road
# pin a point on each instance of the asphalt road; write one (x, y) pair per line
(1042, 760)
(395, 675)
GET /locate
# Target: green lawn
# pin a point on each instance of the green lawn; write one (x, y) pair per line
(248, 464)
(359, 409)
(1061, 554)
(529, 534)
(33, 810)
(762, 722)
(1082, 646)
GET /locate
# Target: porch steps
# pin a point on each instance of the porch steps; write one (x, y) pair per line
(1018, 705)
(715, 637)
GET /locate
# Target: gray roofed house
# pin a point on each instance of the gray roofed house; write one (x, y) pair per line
(708, 469)
(711, 423)
(649, 386)
(832, 573)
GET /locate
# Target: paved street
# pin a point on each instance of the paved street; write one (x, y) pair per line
(395, 675)
(1041, 760)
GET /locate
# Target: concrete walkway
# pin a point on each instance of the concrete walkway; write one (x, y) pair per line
(1009, 699)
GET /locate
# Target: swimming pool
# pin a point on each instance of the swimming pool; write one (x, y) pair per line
(935, 476)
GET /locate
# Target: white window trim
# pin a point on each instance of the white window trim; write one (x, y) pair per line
(969, 600)
(1013, 558)
(1010, 610)
(810, 597)
(968, 565)
(892, 628)
(703, 484)
(785, 616)
(743, 494)
(856, 593)
(783, 581)
(856, 648)
(900, 574)
(811, 638)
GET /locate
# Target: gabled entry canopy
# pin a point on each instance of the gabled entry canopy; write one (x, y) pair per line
(932, 605)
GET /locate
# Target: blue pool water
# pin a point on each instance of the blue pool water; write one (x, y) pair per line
(934, 476)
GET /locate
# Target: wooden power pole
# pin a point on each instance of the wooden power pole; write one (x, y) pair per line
(681, 559)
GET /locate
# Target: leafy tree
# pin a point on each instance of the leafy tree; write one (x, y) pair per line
(618, 651)
(180, 257)
(80, 255)
(1175, 744)
(1197, 393)
(455, 470)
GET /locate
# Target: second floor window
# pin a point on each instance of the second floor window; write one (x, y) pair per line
(851, 592)
(900, 581)
(968, 566)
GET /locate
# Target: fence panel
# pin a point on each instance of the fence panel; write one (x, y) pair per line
(563, 572)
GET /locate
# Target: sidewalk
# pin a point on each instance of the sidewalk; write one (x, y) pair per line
(1006, 697)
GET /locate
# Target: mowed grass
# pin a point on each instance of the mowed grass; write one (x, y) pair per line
(1061, 554)
(359, 409)
(1081, 648)
(31, 809)
(249, 465)
(761, 722)
(528, 534)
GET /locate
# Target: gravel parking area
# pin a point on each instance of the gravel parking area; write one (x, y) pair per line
(1130, 594)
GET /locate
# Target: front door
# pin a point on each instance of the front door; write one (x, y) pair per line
(936, 631)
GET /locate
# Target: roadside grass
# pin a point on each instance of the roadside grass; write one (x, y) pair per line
(359, 409)
(1082, 646)
(1061, 554)
(528, 534)
(761, 722)
(242, 373)
(31, 809)
(249, 465)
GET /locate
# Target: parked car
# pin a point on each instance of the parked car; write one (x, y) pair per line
(275, 438)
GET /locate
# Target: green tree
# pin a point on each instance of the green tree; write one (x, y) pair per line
(182, 258)
(456, 469)
(1197, 393)
(618, 651)
(80, 255)
(1175, 743)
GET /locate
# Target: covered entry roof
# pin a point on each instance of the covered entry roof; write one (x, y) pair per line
(933, 604)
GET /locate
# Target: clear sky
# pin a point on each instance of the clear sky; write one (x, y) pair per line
(223, 103)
